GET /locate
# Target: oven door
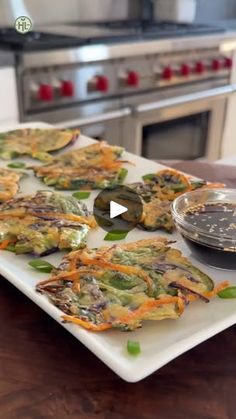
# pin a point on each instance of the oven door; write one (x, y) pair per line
(185, 127)
(102, 120)
(107, 126)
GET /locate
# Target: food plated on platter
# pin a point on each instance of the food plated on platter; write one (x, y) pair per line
(123, 285)
(43, 223)
(9, 183)
(128, 293)
(97, 166)
(159, 190)
(34, 142)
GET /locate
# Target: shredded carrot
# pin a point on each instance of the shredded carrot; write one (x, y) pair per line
(114, 266)
(16, 213)
(218, 288)
(69, 276)
(62, 276)
(87, 325)
(188, 284)
(213, 185)
(181, 305)
(71, 217)
(125, 319)
(76, 286)
(4, 244)
(148, 305)
(73, 262)
(210, 294)
(127, 162)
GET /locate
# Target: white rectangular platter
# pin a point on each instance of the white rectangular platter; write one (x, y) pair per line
(161, 341)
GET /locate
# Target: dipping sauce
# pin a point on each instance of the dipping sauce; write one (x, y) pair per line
(214, 219)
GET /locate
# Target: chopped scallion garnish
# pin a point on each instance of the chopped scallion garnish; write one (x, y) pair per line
(133, 347)
(41, 265)
(229, 292)
(16, 165)
(115, 235)
(81, 195)
(148, 177)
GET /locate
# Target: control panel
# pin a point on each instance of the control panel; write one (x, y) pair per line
(59, 85)
(199, 67)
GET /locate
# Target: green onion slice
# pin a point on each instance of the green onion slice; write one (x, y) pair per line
(11, 248)
(16, 165)
(148, 177)
(179, 187)
(116, 235)
(122, 174)
(229, 292)
(41, 265)
(81, 195)
(133, 347)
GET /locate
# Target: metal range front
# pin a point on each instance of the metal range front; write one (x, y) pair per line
(136, 94)
(186, 127)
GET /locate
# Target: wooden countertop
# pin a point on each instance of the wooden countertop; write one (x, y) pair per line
(46, 373)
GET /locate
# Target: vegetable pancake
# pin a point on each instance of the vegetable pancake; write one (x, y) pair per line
(43, 223)
(122, 285)
(93, 167)
(9, 183)
(158, 191)
(157, 215)
(36, 142)
(167, 184)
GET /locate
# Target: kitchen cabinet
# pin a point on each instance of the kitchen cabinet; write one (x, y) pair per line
(229, 133)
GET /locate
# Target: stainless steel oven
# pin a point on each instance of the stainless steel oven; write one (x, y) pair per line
(102, 120)
(187, 126)
(107, 126)
(160, 97)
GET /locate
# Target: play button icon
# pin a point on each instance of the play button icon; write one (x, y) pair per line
(118, 209)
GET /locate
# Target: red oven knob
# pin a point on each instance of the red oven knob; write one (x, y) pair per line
(167, 73)
(216, 65)
(199, 67)
(185, 70)
(228, 63)
(102, 84)
(45, 93)
(67, 88)
(132, 79)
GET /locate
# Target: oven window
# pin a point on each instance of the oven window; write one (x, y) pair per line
(179, 139)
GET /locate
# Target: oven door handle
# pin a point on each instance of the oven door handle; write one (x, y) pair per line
(181, 100)
(89, 120)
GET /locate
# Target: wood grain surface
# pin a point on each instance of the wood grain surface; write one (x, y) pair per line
(46, 373)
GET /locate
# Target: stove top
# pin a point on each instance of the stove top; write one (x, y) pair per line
(33, 41)
(157, 29)
(77, 34)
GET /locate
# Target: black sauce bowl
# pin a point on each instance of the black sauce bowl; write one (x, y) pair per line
(218, 250)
